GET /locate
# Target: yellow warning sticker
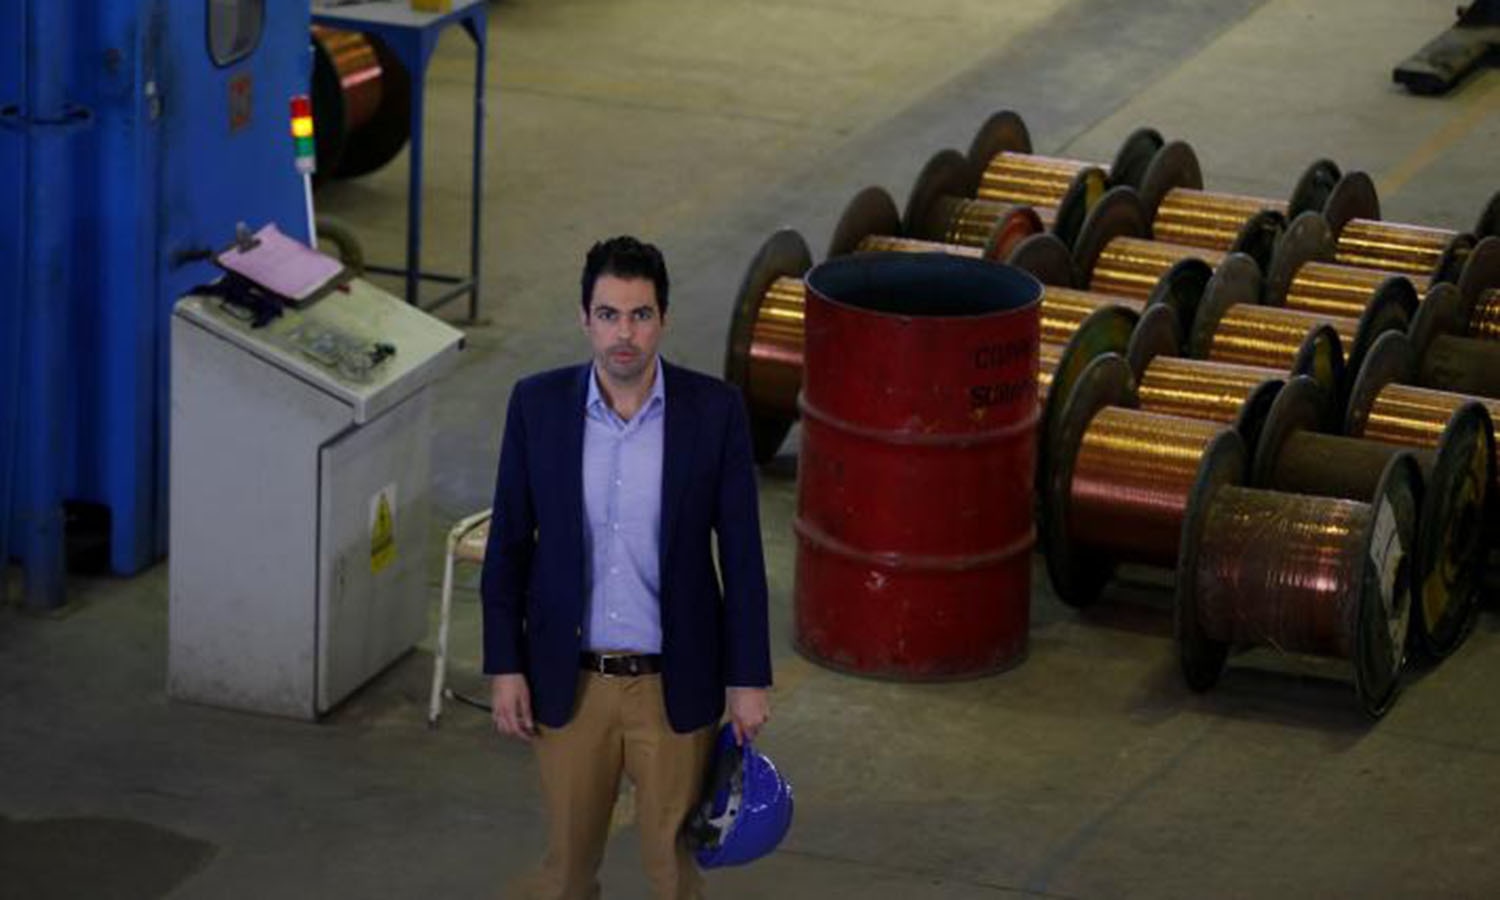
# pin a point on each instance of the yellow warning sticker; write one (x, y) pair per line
(382, 529)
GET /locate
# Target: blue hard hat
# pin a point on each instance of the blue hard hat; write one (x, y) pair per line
(746, 807)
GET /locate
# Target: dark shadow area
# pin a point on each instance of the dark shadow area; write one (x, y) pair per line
(101, 859)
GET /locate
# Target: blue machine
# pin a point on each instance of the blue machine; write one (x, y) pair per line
(133, 137)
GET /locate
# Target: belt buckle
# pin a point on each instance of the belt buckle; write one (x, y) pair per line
(604, 661)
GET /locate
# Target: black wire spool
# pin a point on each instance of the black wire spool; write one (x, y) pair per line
(1303, 574)
(361, 96)
(1447, 554)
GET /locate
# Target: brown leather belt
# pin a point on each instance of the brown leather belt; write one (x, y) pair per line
(621, 664)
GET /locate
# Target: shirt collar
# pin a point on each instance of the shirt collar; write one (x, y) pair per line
(595, 398)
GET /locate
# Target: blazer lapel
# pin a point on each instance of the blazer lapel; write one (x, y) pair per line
(677, 455)
(572, 449)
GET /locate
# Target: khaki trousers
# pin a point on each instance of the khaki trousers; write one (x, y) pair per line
(619, 725)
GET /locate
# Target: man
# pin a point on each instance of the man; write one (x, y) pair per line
(611, 644)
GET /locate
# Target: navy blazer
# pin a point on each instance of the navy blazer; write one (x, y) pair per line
(534, 569)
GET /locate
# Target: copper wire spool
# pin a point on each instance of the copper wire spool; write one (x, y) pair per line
(1301, 574)
(763, 355)
(1119, 480)
(1203, 219)
(1132, 267)
(1485, 321)
(1408, 249)
(1200, 389)
(1340, 290)
(1134, 473)
(361, 102)
(1269, 336)
(1416, 416)
(1064, 309)
(885, 243)
(1040, 181)
(776, 347)
(1446, 557)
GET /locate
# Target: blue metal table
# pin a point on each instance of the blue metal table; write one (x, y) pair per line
(413, 37)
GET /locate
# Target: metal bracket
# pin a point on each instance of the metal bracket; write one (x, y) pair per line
(1452, 55)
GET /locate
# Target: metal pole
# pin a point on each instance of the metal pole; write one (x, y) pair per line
(478, 29)
(45, 298)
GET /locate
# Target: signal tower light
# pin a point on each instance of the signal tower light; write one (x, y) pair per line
(302, 135)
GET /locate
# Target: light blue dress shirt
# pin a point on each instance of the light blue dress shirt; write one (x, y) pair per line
(622, 471)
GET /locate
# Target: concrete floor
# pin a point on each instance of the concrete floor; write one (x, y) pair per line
(1087, 772)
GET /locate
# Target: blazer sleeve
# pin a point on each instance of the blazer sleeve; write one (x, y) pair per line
(508, 555)
(747, 643)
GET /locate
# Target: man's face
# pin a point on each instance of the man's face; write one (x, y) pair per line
(624, 326)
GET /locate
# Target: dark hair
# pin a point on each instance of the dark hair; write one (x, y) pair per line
(625, 257)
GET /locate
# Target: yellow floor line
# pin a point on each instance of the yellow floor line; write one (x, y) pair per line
(1474, 106)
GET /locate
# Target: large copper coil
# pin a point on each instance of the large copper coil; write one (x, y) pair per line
(1340, 290)
(1134, 473)
(1270, 336)
(763, 353)
(1408, 249)
(1302, 574)
(361, 102)
(1040, 181)
(1203, 219)
(1132, 267)
(776, 347)
(885, 243)
(1484, 323)
(1064, 309)
(1416, 416)
(1200, 389)
(1049, 357)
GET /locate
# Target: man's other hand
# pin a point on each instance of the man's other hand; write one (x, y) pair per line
(749, 711)
(510, 706)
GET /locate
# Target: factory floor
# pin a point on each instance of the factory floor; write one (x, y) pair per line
(1088, 771)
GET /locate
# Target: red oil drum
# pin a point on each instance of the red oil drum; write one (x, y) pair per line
(914, 503)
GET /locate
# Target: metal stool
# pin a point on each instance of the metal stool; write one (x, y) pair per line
(466, 543)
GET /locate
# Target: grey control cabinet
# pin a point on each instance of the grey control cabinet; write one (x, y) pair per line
(300, 469)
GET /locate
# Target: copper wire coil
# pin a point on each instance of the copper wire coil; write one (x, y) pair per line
(1049, 357)
(1340, 290)
(358, 69)
(1485, 321)
(1132, 479)
(1131, 267)
(1203, 219)
(1415, 416)
(1200, 389)
(1281, 569)
(1392, 246)
(884, 243)
(1064, 309)
(971, 222)
(1040, 181)
(1271, 336)
(775, 367)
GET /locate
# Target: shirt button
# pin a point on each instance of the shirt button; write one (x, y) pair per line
(615, 525)
(613, 570)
